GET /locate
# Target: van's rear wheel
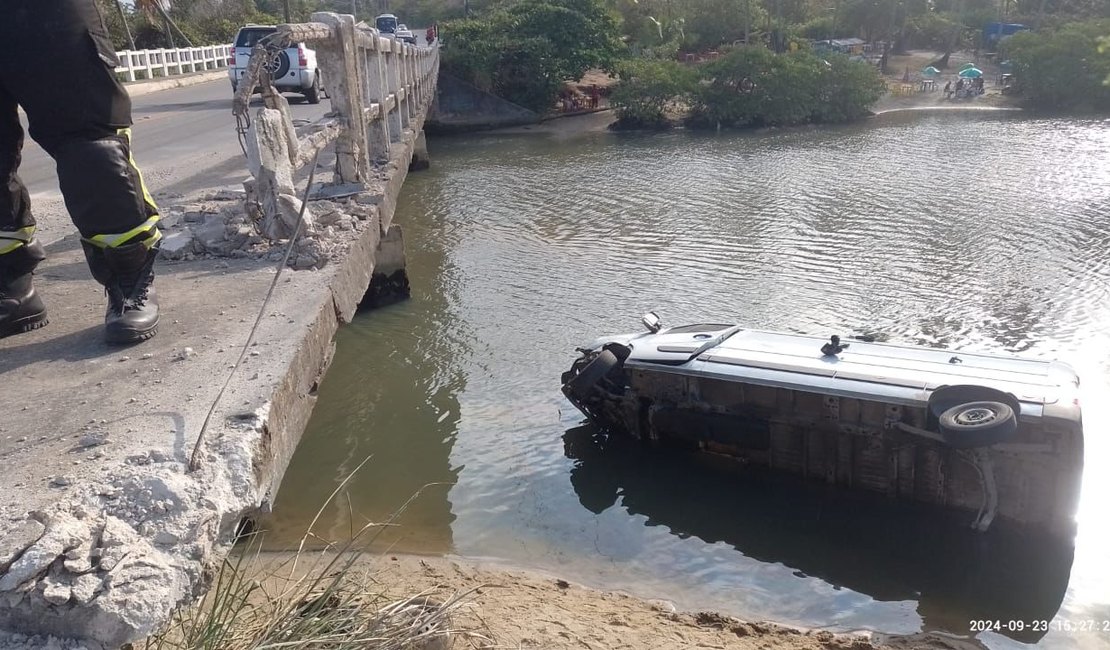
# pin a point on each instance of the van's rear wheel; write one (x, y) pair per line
(978, 424)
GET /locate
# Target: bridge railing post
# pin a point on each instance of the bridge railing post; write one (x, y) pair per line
(377, 92)
(399, 71)
(393, 75)
(410, 86)
(341, 71)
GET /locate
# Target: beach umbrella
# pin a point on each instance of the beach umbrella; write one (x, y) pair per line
(966, 66)
(930, 72)
(971, 73)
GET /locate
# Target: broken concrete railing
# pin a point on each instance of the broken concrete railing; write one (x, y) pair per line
(377, 88)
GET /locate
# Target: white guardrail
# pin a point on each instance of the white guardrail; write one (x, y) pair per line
(148, 64)
(379, 89)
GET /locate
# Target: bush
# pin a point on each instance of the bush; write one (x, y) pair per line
(846, 90)
(524, 50)
(1062, 70)
(754, 87)
(645, 91)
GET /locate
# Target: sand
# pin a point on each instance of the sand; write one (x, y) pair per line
(521, 609)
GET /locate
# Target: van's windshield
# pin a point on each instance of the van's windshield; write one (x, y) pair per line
(387, 24)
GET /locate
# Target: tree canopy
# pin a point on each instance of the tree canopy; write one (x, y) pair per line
(524, 50)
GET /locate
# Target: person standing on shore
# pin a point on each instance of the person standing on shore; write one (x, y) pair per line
(58, 64)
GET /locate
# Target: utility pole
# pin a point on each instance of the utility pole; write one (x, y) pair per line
(286, 8)
(466, 8)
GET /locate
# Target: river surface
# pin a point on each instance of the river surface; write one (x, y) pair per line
(977, 232)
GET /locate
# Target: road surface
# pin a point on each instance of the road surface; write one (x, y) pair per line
(184, 141)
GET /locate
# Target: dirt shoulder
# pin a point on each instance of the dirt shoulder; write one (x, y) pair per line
(522, 609)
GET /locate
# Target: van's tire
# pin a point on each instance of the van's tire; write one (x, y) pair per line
(977, 424)
(592, 373)
(312, 93)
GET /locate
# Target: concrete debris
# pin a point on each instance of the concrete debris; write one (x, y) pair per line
(321, 191)
(113, 558)
(61, 481)
(12, 545)
(92, 439)
(21, 642)
(222, 227)
(184, 354)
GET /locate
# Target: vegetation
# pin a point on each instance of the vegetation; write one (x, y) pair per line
(754, 87)
(647, 89)
(749, 87)
(312, 599)
(1062, 69)
(524, 50)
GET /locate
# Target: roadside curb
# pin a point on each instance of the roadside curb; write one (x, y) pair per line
(144, 87)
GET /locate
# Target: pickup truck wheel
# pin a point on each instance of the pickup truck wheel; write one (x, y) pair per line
(312, 95)
(977, 424)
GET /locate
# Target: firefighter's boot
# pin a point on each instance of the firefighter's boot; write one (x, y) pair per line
(127, 273)
(21, 308)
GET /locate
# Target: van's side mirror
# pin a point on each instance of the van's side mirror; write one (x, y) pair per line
(652, 322)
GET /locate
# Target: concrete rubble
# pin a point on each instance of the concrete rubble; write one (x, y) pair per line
(221, 225)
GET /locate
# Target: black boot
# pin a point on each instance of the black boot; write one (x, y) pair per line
(21, 308)
(127, 273)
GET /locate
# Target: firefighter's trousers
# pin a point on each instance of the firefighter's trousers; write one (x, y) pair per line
(57, 63)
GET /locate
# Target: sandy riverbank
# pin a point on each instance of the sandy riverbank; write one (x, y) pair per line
(514, 608)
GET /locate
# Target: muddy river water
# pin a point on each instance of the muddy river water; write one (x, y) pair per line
(979, 232)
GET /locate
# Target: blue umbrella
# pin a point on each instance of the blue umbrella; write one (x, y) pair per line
(971, 73)
(930, 72)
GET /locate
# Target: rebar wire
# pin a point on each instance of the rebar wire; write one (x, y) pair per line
(194, 459)
(268, 45)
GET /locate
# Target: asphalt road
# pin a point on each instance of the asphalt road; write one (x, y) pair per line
(184, 141)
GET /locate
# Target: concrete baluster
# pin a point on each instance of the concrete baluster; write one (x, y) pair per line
(129, 63)
(340, 66)
(376, 93)
(394, 80)
(399, 72)
(411, 97)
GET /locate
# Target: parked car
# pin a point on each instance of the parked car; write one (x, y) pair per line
(293, 69)
(386, 24)
(405, 34)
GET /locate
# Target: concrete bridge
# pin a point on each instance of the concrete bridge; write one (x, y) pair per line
(115, 505)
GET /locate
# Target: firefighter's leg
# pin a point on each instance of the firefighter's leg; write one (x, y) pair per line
(21, 309)
(81, 115)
